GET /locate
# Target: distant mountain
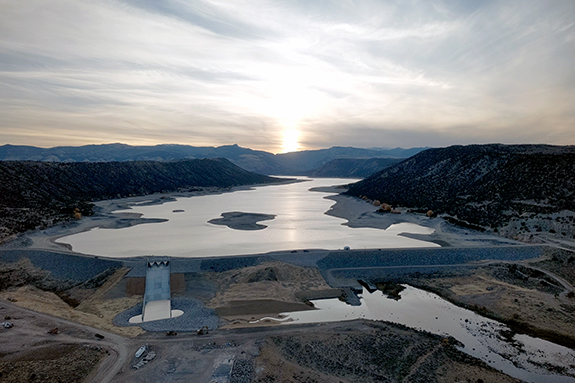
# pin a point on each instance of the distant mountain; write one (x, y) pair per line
(36, 194)
(401, 152)
(296, 163)
(353, 167)
(252, 160)
(487, 185)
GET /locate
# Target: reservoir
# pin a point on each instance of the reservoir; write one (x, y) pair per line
(300, 222)
(294, 219)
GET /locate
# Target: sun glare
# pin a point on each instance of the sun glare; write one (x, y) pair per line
(290, 143)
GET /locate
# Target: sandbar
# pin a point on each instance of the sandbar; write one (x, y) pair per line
(238, 220)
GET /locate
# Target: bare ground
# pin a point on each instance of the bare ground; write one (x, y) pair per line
(29, 353)
(355, 351)
(267, 289)
(368, 352)
(519, 295)
(94, 311)
(358, 351)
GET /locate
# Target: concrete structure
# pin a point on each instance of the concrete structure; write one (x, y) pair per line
(157, 297)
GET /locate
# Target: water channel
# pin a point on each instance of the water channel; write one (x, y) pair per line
(523, 357)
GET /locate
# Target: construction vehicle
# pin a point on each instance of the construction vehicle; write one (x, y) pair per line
(203, 330)
(141, 350)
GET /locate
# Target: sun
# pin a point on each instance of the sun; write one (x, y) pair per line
(290, 143)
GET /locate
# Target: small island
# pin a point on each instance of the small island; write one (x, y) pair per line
(242, 221)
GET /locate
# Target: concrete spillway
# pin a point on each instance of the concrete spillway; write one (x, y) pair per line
(157, 297)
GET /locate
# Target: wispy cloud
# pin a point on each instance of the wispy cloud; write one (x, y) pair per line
(209, 72)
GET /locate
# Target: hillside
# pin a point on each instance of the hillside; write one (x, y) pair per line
(353, 167)
(252, 160)
(295, 163)
(486, 185)
(38, 194)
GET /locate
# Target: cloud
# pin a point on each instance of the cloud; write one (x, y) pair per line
(208, 72)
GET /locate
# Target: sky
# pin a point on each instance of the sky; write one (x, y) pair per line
(287, 75)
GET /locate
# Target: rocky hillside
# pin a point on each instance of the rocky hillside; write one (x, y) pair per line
(353, 167)
(486, 185)
(38, 194)
(295, 163)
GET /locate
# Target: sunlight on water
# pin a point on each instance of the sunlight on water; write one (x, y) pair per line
(300, 223)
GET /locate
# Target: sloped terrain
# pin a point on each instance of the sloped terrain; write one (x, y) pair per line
(38, 194)
(353, 167)
(372, 352)
(294, 163)
(487, 185)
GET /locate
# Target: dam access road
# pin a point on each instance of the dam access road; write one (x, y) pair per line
(240, 289)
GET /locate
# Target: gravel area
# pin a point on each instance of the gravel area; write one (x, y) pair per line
(426, 256)
(195, 316)
(64, 267)
(231, 263)
(243, 371)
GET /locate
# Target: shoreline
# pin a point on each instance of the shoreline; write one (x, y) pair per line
(106, 217)
(357, 213)
(265, 278)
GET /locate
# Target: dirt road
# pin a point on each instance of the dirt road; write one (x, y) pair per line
(30, 331)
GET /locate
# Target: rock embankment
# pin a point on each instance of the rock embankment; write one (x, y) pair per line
(195, 316)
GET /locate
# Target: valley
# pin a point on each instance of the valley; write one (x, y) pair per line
(246, 292)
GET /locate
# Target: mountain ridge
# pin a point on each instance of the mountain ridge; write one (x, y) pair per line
(38, 194)
(491, 185)
(293, 163)
(353, 167)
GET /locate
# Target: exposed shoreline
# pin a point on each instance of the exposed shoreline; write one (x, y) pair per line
(216, 275)
(106, 217)
(360, 213)
(356, 212)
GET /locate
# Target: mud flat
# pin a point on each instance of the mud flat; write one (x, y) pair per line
(106, 216)
(360, 213)
(242, 221)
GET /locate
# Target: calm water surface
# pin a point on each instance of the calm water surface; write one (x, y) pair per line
(525, 358)
(300, 223)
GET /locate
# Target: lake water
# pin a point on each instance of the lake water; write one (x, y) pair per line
(300, 223)
(525, 358)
